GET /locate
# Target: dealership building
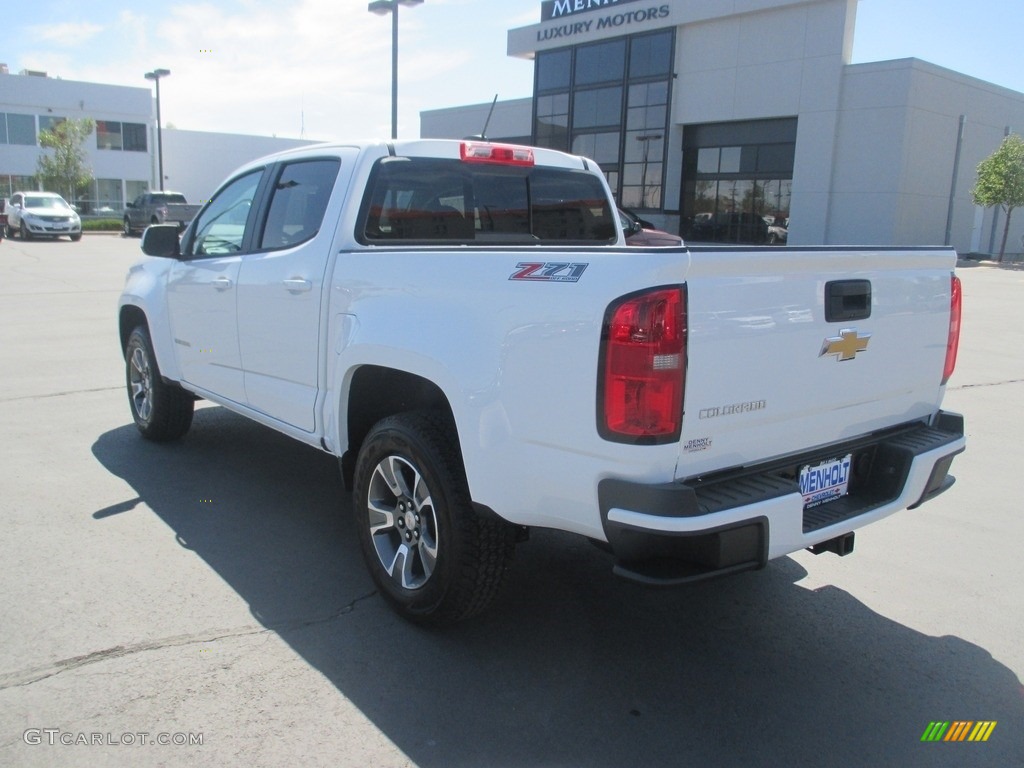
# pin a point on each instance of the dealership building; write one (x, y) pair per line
(730, 121)
(745, 122)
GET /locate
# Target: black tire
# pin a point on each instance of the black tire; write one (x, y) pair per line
(433, 558)
(75, 238)
(126, 228)
(161, 411)
(25, 234)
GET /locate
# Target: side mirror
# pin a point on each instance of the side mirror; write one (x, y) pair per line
(161, 240)
(129, 205)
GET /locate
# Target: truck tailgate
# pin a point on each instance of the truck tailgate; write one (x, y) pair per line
(792, 349)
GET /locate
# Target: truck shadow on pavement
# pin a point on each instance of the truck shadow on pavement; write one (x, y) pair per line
(570, 667)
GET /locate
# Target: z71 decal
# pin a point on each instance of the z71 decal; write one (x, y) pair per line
(552, 271)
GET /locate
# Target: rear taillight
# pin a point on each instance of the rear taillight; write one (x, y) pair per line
(953, 342)
(643, 367)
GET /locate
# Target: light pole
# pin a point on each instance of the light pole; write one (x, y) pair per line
(155, 75)
(382, 8)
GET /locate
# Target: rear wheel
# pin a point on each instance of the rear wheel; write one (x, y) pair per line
(431, 555)
(161, 411)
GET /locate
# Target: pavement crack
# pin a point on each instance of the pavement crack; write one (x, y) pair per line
(59, 394)
(35, 674)
(989, 384)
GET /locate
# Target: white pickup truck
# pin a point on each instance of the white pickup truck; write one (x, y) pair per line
(463, 326)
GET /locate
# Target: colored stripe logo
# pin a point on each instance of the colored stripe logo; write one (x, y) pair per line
(959, 730)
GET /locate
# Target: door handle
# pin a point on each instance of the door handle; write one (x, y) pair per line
(222, 283)
(298, 285)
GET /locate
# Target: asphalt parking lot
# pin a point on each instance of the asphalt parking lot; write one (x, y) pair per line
(210, 594)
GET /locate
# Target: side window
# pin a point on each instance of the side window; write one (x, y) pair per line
(298, 202)
(220, 228)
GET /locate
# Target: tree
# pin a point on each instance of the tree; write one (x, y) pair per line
(1001, 181)
(65, 170)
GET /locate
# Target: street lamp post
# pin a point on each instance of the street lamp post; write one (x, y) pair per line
(382, 8)
(155, 75)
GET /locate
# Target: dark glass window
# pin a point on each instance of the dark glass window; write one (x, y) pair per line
(552, 123)
(554, 69)
(601, 63)
(21, 129)
(737, 181)
(134, 135)
(597, 107)
(619, 111)
(299, 201)
(650, 55)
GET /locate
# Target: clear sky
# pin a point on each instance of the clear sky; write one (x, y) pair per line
(322, 68)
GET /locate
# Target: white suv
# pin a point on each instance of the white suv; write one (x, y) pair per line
(42, 213)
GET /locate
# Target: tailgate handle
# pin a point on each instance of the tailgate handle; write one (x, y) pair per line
(847, 300)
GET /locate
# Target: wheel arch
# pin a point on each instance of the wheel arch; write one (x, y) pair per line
(376, 392)
(128, 319)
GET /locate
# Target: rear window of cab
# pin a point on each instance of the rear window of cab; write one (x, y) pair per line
(435, 201)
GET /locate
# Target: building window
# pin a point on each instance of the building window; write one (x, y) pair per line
(11, 184)
(738, 181)
(134, 137)
(130, 137)
(610, 101)
(47, 123)
(18, 129)
(108, 134)
(133, 189)
(109, 197)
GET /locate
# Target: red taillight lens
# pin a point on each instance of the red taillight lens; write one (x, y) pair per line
(644, 367)
(953, 343)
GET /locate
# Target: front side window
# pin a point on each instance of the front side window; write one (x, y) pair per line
(220, 228)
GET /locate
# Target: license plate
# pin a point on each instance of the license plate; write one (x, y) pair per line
(825, 482)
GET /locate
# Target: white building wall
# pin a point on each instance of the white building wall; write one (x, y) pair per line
(897, 148)
(510, 119)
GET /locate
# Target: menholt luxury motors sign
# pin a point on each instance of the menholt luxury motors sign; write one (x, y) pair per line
(557, 9)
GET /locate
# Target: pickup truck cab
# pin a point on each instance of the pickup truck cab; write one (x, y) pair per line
(463, 326)
(157, 208)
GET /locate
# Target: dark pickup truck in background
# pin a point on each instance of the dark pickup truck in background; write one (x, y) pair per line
(158, 208)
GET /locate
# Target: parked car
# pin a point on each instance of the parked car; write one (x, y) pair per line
(47, 214)
(641, 233)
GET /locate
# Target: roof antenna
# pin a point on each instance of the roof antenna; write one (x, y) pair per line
(483, 134)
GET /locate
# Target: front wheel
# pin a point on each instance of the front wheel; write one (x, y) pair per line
(161, 411)
(431, 555)
(25, 234)
(126, 228)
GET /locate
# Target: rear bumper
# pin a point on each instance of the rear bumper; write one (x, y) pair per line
(739, 519)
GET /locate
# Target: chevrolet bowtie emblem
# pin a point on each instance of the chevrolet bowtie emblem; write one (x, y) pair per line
(846, 345)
